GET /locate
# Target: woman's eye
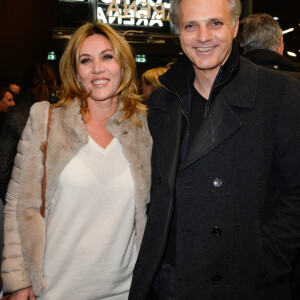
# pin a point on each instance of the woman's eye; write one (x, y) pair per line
(108, 56)
(84, 60)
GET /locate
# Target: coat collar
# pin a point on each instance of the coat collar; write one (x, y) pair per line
(236, 88)
(270, 59)
(176, 79)
(221, 121)
(74, 125)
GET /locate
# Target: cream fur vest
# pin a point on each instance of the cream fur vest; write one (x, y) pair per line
(24, 226)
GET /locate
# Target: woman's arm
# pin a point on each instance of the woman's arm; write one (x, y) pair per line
(14, 274)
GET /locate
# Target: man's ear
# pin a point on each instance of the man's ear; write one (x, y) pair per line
(280, 47)
(236, 28)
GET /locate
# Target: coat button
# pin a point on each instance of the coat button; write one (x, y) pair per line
(217, 183)
(158, 179)
(217, 231)
(216, 279)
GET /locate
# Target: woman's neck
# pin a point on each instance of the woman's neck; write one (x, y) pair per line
(99, 111)
(97, 115)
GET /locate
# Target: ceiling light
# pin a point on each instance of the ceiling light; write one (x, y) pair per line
(287, 30)
(290, 53)
(276, 18)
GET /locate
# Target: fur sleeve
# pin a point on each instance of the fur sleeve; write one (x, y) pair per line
(14, 273)
(24, 228)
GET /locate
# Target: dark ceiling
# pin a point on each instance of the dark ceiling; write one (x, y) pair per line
(161, 47)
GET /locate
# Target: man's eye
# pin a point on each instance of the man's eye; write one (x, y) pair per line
(189, 27)
(217, 23)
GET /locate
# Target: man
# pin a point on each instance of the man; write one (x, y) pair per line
(261, 41)
(11, 84)
(224, 216)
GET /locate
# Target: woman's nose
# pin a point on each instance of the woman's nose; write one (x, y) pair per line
(97, 66)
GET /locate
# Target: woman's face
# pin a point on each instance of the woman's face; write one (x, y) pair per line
(6, 101)
(98, 70)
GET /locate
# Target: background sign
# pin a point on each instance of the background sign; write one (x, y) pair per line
(135, 14)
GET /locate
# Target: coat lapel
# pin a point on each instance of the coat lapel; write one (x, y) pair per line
(222, 122)
(136, 144)
(219, 124)
(166, 127)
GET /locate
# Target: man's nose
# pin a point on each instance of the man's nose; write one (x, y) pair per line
(203, 34)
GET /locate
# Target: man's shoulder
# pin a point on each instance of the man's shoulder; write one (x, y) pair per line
(295, 75)
(265, 75)
(161, 98)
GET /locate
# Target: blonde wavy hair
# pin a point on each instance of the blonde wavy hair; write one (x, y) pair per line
(150, 77)
(128, 92)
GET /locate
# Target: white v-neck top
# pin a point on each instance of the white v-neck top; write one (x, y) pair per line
(90, 251)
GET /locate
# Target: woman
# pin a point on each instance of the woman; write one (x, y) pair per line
(41, 83)
(98, 180)
(6, 99)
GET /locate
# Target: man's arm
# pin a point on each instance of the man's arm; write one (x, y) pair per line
(281, 235)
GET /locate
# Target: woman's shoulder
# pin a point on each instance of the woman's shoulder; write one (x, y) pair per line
(38, 108)
(39, 115)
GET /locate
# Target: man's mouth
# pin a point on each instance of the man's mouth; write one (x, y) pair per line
(204, 49)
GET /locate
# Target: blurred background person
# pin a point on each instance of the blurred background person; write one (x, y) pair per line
(6, 99)
(40, 84)
(11, 84)
(261, 41)
(150, 81)
(98, 179)
(170, 64)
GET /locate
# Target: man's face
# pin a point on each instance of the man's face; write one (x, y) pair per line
(206, 33)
